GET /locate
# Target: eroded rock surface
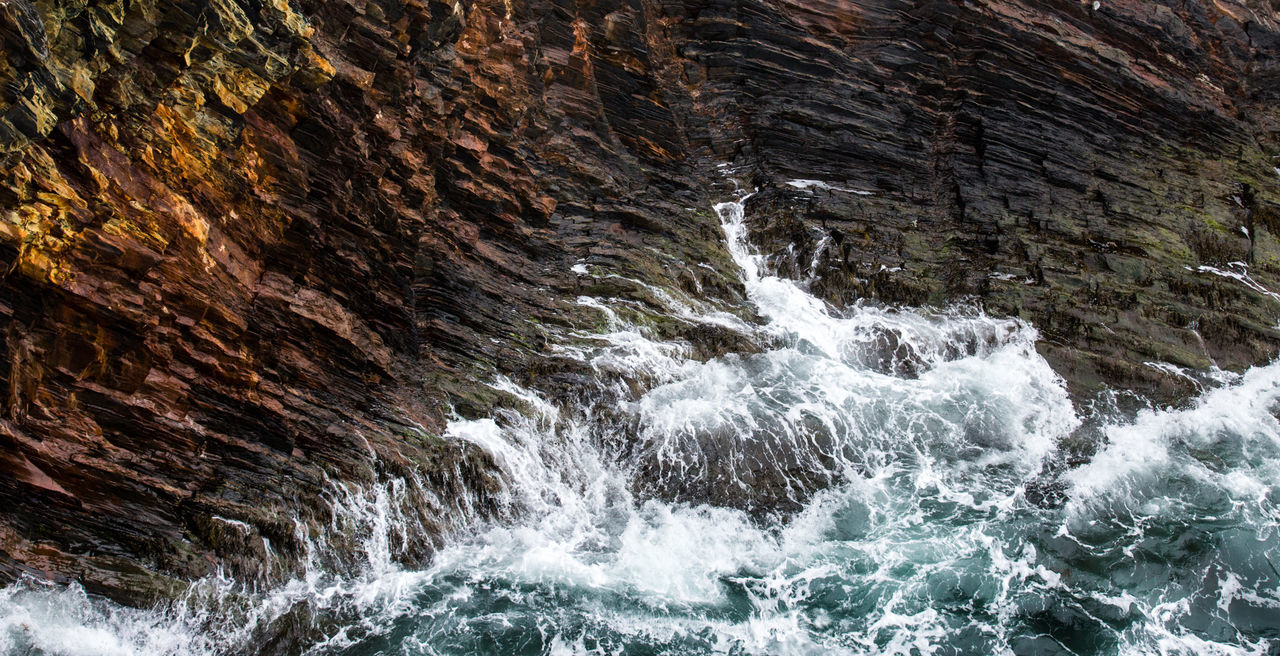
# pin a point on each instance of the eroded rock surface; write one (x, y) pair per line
(255, 247)
(1095, 168)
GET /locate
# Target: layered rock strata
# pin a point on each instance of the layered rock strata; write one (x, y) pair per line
(256, 249)
(1107, 171)
(253, 249)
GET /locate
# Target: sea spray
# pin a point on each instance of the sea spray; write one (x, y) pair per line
(856, 484)
(350, 580)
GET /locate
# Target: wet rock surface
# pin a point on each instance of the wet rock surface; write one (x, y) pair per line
(1093, 168)
(254, 247)
(250, 247)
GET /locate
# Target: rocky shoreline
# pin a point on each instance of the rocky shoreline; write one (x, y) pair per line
(255, 247)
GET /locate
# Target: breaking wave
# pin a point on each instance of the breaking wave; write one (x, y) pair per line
(870, 481)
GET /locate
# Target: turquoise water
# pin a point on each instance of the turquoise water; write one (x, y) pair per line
(927, 543)
(825, 495)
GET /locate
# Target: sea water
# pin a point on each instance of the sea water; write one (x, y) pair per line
(868, 481)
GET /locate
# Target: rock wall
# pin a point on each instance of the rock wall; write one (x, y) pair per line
(254, 247)
(1076, 164)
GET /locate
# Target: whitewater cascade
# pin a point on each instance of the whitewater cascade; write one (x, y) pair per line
(870, 481)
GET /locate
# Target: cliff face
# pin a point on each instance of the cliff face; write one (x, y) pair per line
(256, 247)
(251, 247)
(1076, 164)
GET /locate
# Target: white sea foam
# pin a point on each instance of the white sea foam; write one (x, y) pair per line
(990, 409)
(1237, 271)
(818, 184)
(38, 618)
(364, 588)
(1234, 418)
(905, 440)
